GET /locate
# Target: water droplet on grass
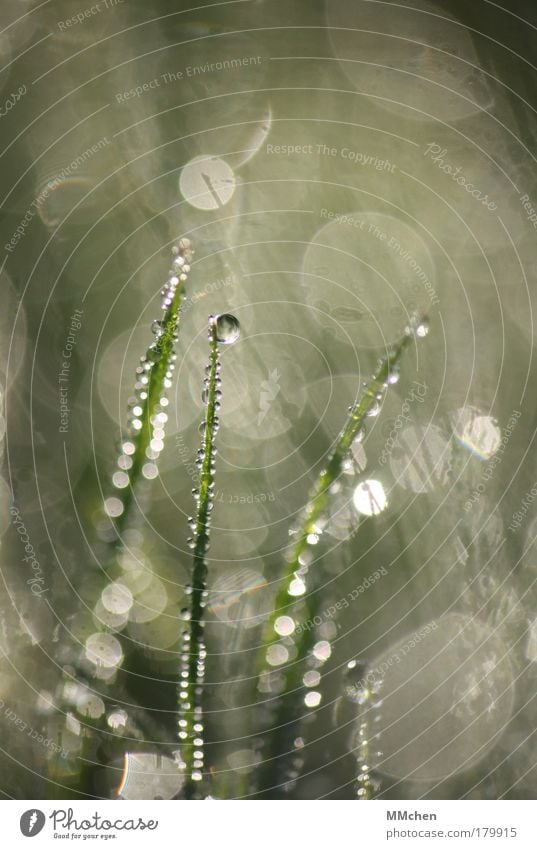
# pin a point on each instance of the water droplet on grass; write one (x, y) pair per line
(228, 329)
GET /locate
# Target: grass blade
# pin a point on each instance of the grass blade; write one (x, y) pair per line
(142, 447)
(223, 329)
(295, 599)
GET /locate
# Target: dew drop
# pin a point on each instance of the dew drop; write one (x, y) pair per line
(393, 375)
(355, 687)
(227, 329)
(422, 329)
(418, 327)
(157, 328)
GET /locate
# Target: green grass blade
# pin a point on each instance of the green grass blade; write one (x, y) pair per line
(222, 329)
(294, 594)
(141, 449)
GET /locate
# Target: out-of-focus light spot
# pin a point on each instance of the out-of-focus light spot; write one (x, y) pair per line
(447, 700)
(297, 587)
(120, 479)
(71, 691)
(91, 705)
(159, 633)
(149, 776)
(328, 630)
(117, 598)
(478, 433)
(207, 182)
(349, 267)
(311, 678)
(113, 507)
(104, 617)
(104, 650)
(418, 62)
(150, 603)
(276, 655)
(284, 626)
(117, 719)
(312, 699)
(370, 498)
(322, 650)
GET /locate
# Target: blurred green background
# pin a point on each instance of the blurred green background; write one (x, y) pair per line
(359, 161)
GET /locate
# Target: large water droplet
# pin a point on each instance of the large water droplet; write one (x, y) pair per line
(228, 329)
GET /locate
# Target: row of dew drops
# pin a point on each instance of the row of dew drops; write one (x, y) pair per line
(226, 330)
(103, 649)
(369, 499)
